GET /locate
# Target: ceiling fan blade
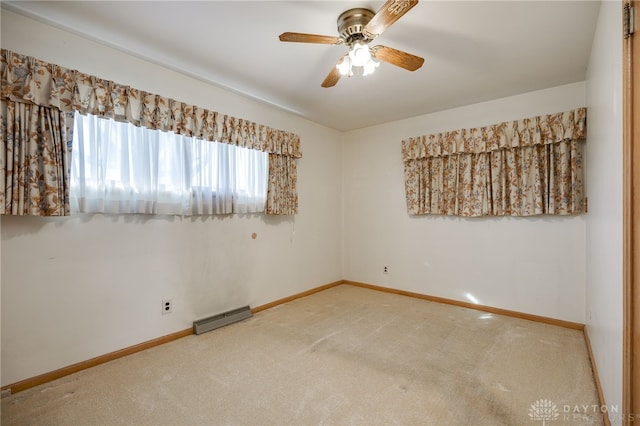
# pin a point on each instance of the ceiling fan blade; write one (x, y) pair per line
(397, 57)
(387, 15)
(310, 38)
(332, 78)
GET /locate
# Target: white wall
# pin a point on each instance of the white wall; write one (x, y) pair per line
(75, 288)
(604, 182)
(532, 265)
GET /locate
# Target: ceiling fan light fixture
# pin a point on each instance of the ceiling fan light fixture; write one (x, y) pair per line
(359, 61)
(359, 54)
(344, 66)
(370, 67)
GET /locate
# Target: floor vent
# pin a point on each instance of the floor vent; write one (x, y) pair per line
(220, 320)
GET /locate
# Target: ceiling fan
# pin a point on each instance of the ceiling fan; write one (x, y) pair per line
(357, 28)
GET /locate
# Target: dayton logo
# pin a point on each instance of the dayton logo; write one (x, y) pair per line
(545, 410)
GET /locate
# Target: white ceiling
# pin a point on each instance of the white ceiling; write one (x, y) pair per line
(474, 50)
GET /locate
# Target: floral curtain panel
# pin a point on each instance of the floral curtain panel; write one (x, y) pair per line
(282, 192)
(34, 161)
(525, 167)
(29, 80)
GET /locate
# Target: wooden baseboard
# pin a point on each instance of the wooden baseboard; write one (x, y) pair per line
(506, 312)
(83, 365)
(596, 377)
(295, 296)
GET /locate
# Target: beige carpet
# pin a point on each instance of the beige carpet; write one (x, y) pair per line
(344, 356)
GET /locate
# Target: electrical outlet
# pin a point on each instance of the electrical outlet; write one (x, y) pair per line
(385, 269)
(167, 306)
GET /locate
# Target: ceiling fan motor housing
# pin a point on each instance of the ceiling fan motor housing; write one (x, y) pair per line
(351, 24)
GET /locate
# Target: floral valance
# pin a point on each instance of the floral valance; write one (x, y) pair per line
(27, 79)
(540, 130)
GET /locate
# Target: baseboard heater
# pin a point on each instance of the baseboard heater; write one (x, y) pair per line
(220, 320)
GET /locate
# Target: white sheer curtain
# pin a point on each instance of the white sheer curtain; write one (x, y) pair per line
(121, 168)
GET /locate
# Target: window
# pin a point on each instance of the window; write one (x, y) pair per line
(121, 168)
